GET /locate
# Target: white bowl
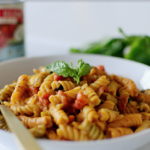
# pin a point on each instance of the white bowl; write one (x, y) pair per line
(12, 69)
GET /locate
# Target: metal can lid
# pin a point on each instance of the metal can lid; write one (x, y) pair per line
(11, 1)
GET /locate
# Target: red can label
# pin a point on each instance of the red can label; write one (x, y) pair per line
(11, 13)
(11, 31)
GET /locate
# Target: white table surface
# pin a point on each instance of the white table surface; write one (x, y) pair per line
(53, 27)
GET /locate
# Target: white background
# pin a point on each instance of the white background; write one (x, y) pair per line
(53, 27)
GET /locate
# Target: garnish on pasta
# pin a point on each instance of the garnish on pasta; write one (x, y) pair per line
(63, 69)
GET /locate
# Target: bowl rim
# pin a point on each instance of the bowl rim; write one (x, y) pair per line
(67, 55)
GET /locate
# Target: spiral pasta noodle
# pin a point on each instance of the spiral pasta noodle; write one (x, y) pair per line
(145, 116)
(113, 87)
(130, 110)
(107, 115)
(71, 94)
(37, 79)
(7, 91)
(90, 113)
(102, 81)
(25, 110)
(56, 99)
(109, 97)
(46, 85)
(66, 85)
(93, 131)
(107, 104)
(71, 133)
(38, 131)
(60, 117)
(32, 122)
(144, 107)
(92, 96)
(123, 92)
(128, 83)
(96, 71)
(52, 135)
(116, 132)
(143, 97)
(20, 90)
(145, 125)
(130, 120)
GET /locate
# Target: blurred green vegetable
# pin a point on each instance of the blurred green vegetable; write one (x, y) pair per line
(133, 47)
(140, 50)
(113, 47)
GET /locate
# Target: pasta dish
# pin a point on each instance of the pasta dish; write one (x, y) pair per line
(78, 105)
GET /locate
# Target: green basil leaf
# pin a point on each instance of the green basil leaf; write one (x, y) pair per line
(83, 68)
(57, 65)
(77, 78)
(61, 68)
(71, 65)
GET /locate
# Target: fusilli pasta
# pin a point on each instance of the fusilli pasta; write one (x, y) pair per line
(97, 107)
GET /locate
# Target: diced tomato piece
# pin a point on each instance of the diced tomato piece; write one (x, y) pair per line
(43, 102)
(81, 101)
(122, 103)
(79, 104)
(33, 90)
(101, 68)
(45, 95)
(61, 93)
(57, 77)
(102, 90)
(46, 101)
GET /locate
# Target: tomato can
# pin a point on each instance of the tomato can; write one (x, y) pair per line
(11, 29)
